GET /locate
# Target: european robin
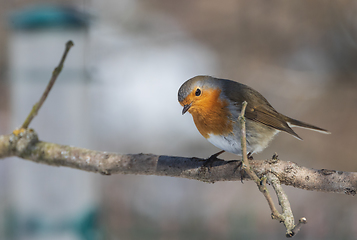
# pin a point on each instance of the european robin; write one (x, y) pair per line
(215, 105)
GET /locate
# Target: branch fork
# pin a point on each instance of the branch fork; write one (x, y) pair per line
(287, 216)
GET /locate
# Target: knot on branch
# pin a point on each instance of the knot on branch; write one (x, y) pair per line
(22, 140)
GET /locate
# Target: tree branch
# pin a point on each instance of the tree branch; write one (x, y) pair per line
(27, 146)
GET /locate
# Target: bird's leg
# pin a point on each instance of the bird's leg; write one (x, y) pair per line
(239, 166)
(209, 161)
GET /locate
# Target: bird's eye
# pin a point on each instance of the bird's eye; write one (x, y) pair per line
(198, 92)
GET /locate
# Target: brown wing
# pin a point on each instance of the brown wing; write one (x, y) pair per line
(258, 108)
(269, 117)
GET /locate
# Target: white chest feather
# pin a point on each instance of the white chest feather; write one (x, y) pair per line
(226, 143)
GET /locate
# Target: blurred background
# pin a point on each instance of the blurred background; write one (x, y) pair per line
(118, 93)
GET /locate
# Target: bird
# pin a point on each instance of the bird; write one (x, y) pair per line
(215, 105)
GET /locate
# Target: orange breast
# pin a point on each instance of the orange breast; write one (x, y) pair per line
(211, 114)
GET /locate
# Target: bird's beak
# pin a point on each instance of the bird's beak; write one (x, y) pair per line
(186, 107)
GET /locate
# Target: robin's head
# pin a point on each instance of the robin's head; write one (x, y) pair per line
(202, 97)
(199, 93)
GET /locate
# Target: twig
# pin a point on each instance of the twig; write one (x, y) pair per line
(287, 216)
(55, 74)
(299, 225)
(261, 183)
(245, 163)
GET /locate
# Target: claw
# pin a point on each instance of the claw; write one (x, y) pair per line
(209, 161)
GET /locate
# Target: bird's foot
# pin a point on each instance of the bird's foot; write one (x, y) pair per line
(209, 161)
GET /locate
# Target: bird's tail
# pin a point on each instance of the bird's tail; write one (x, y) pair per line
(296, 123)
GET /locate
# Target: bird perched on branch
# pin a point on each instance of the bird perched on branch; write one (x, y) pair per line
(215, 105)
